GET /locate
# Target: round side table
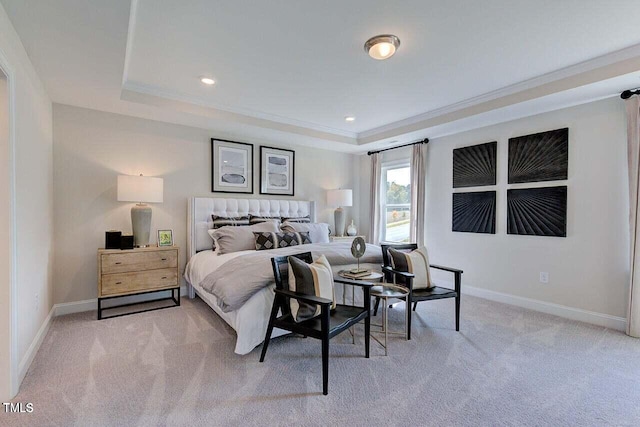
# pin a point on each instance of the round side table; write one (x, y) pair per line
(387, 291)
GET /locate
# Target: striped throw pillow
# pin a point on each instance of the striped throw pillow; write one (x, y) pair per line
(254, 219)
(269, 240)
(223, 221)
(415, 262)
(297, 219)
(310, 279)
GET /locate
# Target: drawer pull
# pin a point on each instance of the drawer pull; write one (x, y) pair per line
(164, 259)
(164, 277)
(117, 263)
(118, 283)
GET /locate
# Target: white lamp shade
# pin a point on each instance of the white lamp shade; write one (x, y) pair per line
(143, 189)
(340, 198)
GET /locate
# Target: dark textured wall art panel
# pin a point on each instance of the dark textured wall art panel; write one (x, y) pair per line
(474, 212)
(539, 157)
(537, 211)
(475, 165)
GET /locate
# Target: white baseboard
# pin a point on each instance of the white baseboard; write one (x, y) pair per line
(76, 307)
(92, 304)
(600, 319)
(23, 367)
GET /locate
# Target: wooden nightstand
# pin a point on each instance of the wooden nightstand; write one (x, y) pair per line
(345, 238)
(137, 271)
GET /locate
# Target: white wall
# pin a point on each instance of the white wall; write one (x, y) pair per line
(34, 197)
(589, 268)
(91, 148)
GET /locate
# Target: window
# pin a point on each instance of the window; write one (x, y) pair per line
(396, 202)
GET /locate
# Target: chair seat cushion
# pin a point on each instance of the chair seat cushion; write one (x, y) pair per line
(310, 279)
(435, 292)
(415, 262)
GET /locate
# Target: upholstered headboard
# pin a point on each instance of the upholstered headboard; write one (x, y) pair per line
(200, 210)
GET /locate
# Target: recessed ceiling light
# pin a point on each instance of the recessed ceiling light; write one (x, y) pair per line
(349, 118)
(207, 81)
(382, 46)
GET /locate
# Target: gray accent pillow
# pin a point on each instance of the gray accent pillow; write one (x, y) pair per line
(233, 239)
(267, 240)
(318, 231)
(310, 279)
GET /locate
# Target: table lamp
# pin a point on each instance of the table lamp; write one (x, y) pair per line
(338, 199)
(140, 189)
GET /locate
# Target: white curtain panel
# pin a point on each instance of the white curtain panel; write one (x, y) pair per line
(633, 150)
(418, 184)
(374, 207)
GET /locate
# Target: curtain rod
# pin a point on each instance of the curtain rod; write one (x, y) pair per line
(629, 93)
(422, 141)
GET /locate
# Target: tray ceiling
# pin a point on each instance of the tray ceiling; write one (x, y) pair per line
(291, 71)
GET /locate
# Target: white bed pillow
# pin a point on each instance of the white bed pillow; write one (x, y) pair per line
(318, 231)
(233, 239)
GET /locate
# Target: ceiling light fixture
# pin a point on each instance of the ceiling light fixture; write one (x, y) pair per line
(382, 46)
(207, 81)
(349, 118)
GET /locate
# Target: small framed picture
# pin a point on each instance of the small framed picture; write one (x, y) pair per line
(165, 237)
(231, 167)
(277, 171)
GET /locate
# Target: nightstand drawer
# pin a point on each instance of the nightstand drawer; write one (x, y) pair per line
(136, 261)
(123, 283)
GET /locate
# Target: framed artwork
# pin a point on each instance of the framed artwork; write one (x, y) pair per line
(277, 171)
(537, 211)
(539, 157)
(475, 166)
(474, 212)
(231, 167)
(165, 238)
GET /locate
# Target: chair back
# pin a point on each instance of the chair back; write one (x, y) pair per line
(386, 258)
(280, 266)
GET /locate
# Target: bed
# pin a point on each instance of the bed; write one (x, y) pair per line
(207, 271)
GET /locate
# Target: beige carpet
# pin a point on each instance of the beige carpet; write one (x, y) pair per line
(507, 367)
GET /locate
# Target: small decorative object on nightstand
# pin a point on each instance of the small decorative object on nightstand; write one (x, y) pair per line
(138, 271)
(165, 238)
(351, 229)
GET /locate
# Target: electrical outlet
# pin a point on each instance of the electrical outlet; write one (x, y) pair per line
(544, 277)
(37, 301)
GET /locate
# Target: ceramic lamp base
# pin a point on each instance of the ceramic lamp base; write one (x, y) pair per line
(338, 217)
(141, 223)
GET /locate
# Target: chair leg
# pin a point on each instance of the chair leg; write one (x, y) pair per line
(267, 337)
(375, 308)
(415, 305)
(367, 335)
(458, 313)
(325, 350)
(409, 315)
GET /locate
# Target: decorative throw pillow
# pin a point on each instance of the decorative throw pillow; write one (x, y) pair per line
(223, 221)
(270, 240)
(254, 219)
(415, 262)
(297, 219)
(233, 239)
(310, 279)
(318, 232)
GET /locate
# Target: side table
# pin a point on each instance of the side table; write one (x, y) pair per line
(387, 291)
